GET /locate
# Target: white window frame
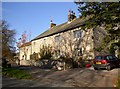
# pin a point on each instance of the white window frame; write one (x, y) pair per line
(57, 38)
(77, 32)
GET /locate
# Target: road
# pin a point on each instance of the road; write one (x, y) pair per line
(79, 77)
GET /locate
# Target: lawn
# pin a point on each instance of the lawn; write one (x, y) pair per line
(16, 73)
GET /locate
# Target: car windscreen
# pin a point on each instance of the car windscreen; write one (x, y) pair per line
(110, 57)
(98, 57)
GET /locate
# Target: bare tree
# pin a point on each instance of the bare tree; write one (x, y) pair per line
(65, 45)
(23, 45)
(7, 40)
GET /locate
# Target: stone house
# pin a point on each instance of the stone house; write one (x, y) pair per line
(66, 39)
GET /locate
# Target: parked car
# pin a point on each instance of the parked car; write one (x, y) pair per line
(106, 61)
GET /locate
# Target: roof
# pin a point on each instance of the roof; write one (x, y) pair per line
(25, 44)
(63, 27)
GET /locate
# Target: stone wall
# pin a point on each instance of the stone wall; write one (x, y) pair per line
(66, 45)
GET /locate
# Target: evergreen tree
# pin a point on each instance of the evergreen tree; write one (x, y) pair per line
(103, 14)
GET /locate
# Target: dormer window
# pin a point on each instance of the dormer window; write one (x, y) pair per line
(57, 38)
(77, 34)
(44, 42)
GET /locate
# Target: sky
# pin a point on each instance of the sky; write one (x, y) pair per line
(34, 17)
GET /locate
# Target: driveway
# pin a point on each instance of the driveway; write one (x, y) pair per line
(79, 77)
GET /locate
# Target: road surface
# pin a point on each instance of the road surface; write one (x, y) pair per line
(79, 77)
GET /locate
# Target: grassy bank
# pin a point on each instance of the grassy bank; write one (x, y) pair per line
(16, 73)
(118, 82)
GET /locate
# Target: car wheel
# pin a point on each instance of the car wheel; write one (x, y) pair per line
(95, 68)
(118, 65)
(108, 67)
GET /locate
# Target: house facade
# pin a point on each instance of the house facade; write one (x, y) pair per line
(67, 39)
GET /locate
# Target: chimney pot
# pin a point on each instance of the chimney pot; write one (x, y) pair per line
(52, 24)
(71, 15)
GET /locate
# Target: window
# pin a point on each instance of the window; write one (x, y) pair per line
(78, 34)
(98, 57)
(34, 43)
(78, 52)
(44, 42)
(110, 57)
(57, 38)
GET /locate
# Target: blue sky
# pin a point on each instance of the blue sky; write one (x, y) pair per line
(34, 17)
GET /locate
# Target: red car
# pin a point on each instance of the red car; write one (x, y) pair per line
(106, 61)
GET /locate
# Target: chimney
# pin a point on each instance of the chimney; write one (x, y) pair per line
(52, 24)
(71, 15)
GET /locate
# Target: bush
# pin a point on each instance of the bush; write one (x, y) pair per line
(111, 49)
(45, 52)
(82, 63)
(34, 56)
(5, 63)
(68, 62)
(99, 49)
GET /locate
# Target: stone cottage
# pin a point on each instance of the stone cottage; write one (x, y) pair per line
(66, 39)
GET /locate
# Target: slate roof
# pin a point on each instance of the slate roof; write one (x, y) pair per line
(63, 27)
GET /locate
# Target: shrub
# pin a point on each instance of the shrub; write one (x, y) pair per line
(34, 56)
(111, 49)
(68, 61)
(4, 62)
(99, 49)
(45, 52)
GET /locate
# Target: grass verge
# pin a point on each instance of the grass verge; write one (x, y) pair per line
(16, 73)
(118, 83)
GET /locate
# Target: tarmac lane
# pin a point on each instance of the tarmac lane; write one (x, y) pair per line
(79, 77)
